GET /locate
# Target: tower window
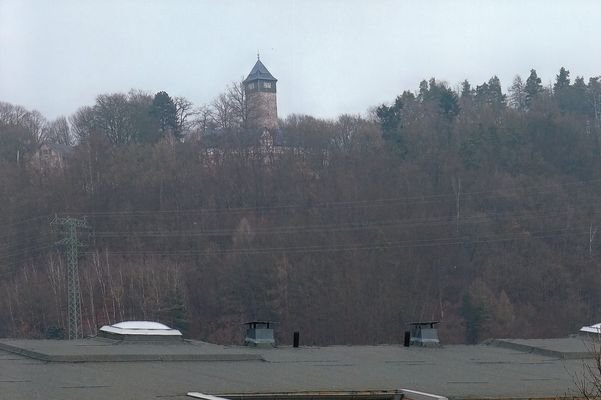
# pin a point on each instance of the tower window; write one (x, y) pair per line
(251, 85)
(267, 85)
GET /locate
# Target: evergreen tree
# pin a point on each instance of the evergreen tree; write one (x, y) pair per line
(173, 311)
(490, 93)
(533, 87)
(448, 102)
(495, 93)
(563, 91)
(441, 95)
(466, 90)
(389, 119)
(562, 81)
(482, 93)
(578, 96)
(163, 108)
(474, 315)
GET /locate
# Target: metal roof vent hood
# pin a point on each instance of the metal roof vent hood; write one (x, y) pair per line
(424, 334)
(259, 334)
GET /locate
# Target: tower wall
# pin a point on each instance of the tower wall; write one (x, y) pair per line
(262, 109)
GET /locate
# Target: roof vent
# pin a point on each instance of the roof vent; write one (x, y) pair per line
(140, 330)
(259, 334)
(424, 334)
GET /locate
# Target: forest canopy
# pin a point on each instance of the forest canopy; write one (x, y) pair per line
(474, 205)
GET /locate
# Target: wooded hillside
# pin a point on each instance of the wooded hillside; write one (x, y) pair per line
(473, 206)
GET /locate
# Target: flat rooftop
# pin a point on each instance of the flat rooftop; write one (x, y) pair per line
(575, 347)
(108, 350)
(101, 369)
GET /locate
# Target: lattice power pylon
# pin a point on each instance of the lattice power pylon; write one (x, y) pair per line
(72, 245)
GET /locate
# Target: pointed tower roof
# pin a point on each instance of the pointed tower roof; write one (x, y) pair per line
(259, 71)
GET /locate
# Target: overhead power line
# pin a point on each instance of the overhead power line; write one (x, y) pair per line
(344, 227)
(445, 241)
(24, 221)
(40, 241)
(365, 203)
(325, 205)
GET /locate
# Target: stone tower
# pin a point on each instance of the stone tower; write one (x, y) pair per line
(261, 101)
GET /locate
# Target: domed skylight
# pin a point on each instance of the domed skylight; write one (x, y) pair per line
(140, 328)
(596, 328)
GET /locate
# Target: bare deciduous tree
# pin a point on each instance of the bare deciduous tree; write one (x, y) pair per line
(83, 123)
(232, 110)
(11, 114)
(223, 112)
(59, 131)
(517, 94)
(203, 121)
(184, 114)
(35, 123)
(112, 117)
(588, 380)
(237, 98)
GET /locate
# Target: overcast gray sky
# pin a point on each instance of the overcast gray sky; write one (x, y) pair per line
(330, 57)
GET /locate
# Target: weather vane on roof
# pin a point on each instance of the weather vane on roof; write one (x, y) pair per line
(258, 56)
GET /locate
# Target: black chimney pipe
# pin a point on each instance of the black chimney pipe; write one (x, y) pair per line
(407, 341)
